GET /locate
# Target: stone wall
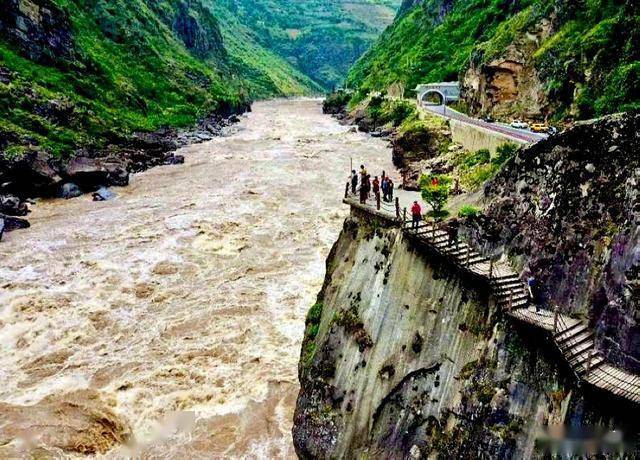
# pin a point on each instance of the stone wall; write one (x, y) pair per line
(474, 138)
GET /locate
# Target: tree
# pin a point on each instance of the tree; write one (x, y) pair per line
(435, 189)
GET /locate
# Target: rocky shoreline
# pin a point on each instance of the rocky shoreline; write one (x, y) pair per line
(37, 174)
(413, 152)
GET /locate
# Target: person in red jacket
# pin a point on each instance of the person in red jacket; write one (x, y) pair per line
(416, 214)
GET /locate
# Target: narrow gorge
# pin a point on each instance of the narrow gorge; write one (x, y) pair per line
(323, 229)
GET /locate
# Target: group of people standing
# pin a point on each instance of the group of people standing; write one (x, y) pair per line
(384, 184)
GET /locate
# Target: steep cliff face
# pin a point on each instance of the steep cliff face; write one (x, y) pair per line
(509, 85)
(566, 210)
(403, 358)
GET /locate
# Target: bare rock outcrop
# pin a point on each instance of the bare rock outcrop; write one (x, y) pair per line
(508, 85)
(567, 211)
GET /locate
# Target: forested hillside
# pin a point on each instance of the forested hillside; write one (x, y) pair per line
(531, 58)
(84, 72)
(321, 38)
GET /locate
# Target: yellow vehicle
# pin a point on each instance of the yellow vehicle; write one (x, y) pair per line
(539, 128)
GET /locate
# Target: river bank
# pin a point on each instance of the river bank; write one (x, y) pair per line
(37, 174)
(174, 313)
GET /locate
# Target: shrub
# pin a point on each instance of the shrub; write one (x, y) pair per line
(337, 99)
(504, 152)
(468, 211)
(314, 314)
(476, 176)
(399, 111)
(481, 156)
(435, 189)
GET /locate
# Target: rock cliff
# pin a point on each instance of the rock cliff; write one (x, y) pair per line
(566, 210)
(403, 358)
(509, 85)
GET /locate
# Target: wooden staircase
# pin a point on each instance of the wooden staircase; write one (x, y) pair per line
(573, 338)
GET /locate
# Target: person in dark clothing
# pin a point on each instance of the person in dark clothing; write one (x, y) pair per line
(385, 188)
(363, 192)
(452, 232)
(390, 189)
(376, 188)
(368, 185)
(354, 182)
(416, 214)
(535, 293)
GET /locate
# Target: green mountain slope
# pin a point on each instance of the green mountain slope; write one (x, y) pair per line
(83, 73)
(535, 58)
(321, 38)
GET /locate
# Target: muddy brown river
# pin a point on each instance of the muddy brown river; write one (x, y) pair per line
(167, 323)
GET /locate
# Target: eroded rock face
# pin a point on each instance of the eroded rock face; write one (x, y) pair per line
(202, 39)
(566, 210)
(40, 28)
(443, 373)
(417, 151)
(509, 86)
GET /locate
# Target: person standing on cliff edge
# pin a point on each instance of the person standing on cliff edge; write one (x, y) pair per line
(354, 181)
(416, 214)
(376, 188)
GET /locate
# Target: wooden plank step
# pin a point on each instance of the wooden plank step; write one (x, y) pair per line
(515, 292)
(570, 340)
(506, 287)
(478, 259)
(571, 330)
(458, 253)
(581, 368)
(515, 300)
(505, 279)
(577, 350)
(461, 249)
(580, 359)
(518, 304)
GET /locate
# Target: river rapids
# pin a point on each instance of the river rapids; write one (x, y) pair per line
(167, 322)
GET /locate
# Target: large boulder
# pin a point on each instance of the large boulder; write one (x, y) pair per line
(90, 173)
(9, 223)
(34, 173)
(13, 206)
(86, 172)
(70, 190)
(103, 194)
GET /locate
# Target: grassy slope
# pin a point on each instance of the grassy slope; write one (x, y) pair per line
(130, 72)
(320, 38)
(590, 63)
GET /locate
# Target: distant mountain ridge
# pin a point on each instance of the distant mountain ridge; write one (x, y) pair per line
(559, 59)
(320, 38)
(83, 73)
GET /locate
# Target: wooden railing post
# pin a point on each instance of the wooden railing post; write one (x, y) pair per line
(490, 268)
(555, 319)
(510, 300)
(346, 190)
(378, 201)
(586, 374)
(404, 216)
(397, 208)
